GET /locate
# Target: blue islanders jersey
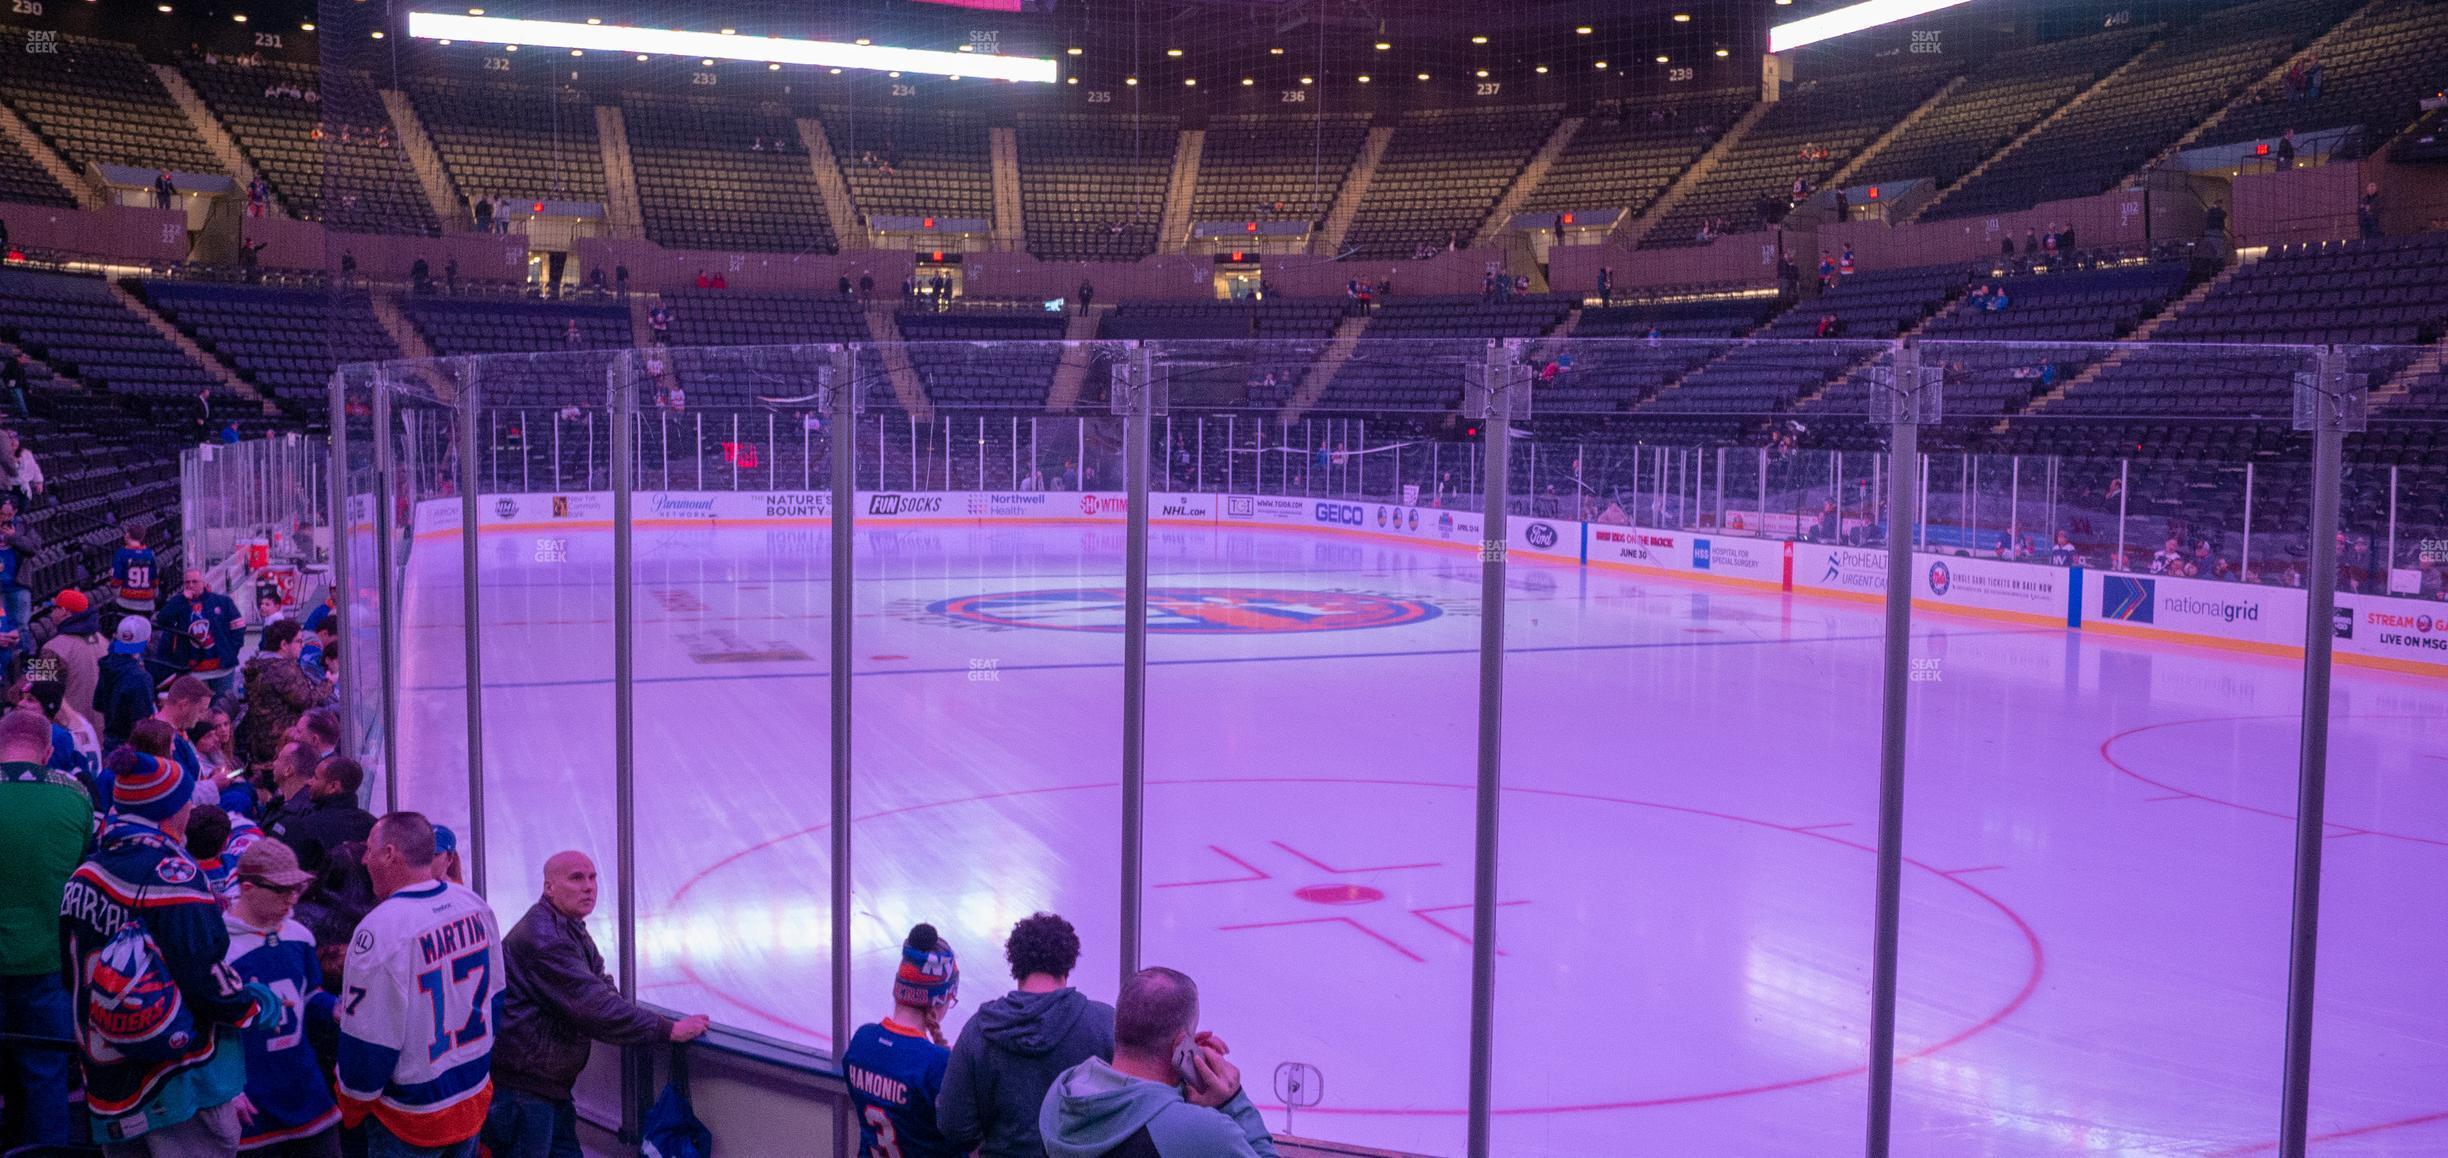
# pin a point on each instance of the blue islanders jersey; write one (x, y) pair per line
(895, 1073)
(136, 573)
(292, 1098)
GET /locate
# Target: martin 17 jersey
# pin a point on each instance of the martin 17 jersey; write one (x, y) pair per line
(417, 1008)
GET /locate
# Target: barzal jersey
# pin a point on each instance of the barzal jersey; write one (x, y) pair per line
(895, 1073)
(284, 1081)
(423, 990)
(135, 573)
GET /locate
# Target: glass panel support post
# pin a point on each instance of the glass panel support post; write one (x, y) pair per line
(1138, 395)
(1909, 401)
(2329, 403)
(386, 590)
(1504, 385)
(840, 401)
(620, 387)
(341, 549)
(470, 594)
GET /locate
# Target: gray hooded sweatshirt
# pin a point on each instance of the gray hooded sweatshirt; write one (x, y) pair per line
(1006, 1057)
(1094, 1108)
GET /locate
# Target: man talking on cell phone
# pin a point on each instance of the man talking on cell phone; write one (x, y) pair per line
(1168, 1093)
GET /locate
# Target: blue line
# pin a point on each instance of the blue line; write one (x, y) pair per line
(1576, 647)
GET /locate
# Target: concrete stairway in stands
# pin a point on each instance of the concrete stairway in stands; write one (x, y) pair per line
(2138, 60)
(1003, 144)
(1630, 235)
(898, 369)
(831, 187)
(1321, 373)
(208, 129)
(2431, 361)
(641, 327)
(404, 334)
(177, 337)
(431, 177)
(1862, 156)
(1527, 181)
(627, 218)
(1329, 240)
(2117, 357)
(1071, 372)
(2274, 79)
(1173, 230)
(88, 195)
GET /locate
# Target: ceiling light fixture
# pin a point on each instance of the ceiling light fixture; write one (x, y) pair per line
(1541, 70)
(1247, 82)
(1383, 45)
(1189, 82)
(1478, 40)
(240, 18)
(1074, 50)
(1364, 78)
(1682, 17)
(1308, 80)
(306, 27)
(1850, 18)
(1130, 80)
(1582, 30)
(1722, 53)
(1423, 76)
(1174, 52)
(750, 49)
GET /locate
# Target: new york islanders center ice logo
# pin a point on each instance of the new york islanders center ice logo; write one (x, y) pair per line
(1190, 610)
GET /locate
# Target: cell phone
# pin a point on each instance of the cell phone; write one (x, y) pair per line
(1185, 1063)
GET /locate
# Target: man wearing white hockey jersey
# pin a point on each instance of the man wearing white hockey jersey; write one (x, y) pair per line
(423, 994)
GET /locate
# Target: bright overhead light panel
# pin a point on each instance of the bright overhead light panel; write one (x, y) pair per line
(1849, 19)
(784, 50)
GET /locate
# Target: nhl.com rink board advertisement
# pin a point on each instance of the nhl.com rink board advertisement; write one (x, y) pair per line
(2398, 633)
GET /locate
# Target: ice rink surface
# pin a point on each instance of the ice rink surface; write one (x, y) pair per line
(2098, 831)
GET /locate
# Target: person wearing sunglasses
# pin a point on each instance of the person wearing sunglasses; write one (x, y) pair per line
(288, 1111)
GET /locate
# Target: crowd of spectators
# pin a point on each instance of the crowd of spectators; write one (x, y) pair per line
(207, 934)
